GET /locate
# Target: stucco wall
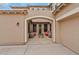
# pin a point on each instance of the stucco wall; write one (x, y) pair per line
(67, 8)
(69, 32)
(58, 40)
(47, 13)
(10, 33)
(41, 20)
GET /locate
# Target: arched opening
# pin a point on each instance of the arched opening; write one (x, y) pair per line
(40, 26)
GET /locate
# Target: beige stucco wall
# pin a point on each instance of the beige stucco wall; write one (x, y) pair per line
(41, 20)
(10, 33)
(32, 13)
(58, 40)
(67, 8)
(69, 32)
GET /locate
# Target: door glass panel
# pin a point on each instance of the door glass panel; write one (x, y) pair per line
(34, 27)
(45, 27)
(39, 28)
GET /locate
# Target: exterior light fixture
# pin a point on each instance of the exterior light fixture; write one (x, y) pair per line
(17, 23)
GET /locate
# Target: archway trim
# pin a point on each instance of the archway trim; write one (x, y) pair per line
(33, 17)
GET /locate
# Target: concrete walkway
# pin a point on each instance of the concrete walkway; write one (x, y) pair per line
(41, 46)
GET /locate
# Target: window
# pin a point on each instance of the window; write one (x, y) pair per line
(35, 8)
(46, 8)
(32, 8)
(43, 8)
(38, 8)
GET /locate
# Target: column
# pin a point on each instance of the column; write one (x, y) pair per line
(37, 29)
(31, 27)
(26, 31)
(53, 31)
(43, 29)
(48, 27)
(48, 30)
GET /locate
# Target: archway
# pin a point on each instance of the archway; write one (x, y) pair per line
(40, 17)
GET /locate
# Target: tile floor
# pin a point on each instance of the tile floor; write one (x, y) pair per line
(41, 46)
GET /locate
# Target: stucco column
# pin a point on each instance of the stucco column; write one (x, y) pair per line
(26, 31)
(53, 31)
(48, 27)
(43, 28)
(37, 29)
(31, 27)
(48, 30)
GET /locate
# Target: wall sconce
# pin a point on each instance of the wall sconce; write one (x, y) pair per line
(17, 23)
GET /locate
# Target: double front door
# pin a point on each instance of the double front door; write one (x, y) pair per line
(39, 29)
